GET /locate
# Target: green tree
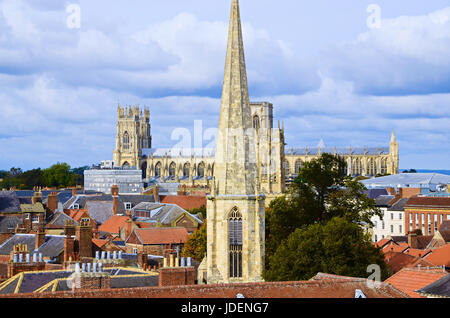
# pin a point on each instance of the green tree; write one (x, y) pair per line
(201, 210)
(195, 246)
(320, 192)
(59, 175)
(336, 247)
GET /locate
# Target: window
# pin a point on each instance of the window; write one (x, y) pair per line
(135, 250)
(158, 170)
(201, 170)
(382, 225)
(392, 229)
(76, 206)
(256, 122)
(85, 220)
(126, 141)
(392, 216)
(400, 216)
(35, 219)
(376, 238)
(186, 169)
(400, 229)
(27, 216)
(127, 206)
(235, 243)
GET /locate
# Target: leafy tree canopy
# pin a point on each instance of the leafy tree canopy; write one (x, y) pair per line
(336, 247)
(321, 192)
(195, 246)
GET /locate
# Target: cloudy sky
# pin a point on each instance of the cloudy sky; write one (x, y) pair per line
(330, 69)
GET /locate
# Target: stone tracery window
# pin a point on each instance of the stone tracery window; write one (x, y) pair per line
(158, 170)
(172, 169)
(298, 165)
(256, 122)
(186, 169)
(126, 141)
(235, 243)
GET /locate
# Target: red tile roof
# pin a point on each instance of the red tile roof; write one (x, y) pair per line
(187, 202)
(162, 235)
(440, 256)
(114, 224)
(397, 261)
(410, 279)
(382, 243)
(417, 252)
(99, 242)
(428, 202)
(400, 247)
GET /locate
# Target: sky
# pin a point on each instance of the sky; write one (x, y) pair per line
(347, 72)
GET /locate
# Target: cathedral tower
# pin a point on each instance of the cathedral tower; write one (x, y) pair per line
(235, 209)
(133, 135)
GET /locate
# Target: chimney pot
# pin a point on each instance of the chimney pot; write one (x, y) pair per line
(77, 267)
(89, 267)
(97, 254)
(83, 267)
(189, 262)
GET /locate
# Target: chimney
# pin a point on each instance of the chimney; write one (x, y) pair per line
(40, 238)
(391, 191)
(69, 228)
(412, 240)
(74, 191)
(69, 247)
(52, 202)
(128, 228)
(156, 193)
(83, 234)
(115, 194)
(400, 192)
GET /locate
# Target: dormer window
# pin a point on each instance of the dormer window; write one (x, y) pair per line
(76, 206)
(127, 206)
(27, 216)
(35, 219)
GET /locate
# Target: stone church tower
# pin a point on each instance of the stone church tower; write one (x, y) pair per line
(235, 209)
(133, 135)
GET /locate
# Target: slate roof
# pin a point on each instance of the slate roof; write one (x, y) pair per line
(9, 202)
(439, 288)
(100, 211)
(399, 205)
(52, 247)
(9, 222)
(375, 193)
(59, 219)
(165, 213)
(383, 200)
(41, 281)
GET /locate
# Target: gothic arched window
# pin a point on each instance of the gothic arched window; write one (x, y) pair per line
(235, 242)
(172, 169)
(256, 122)
(186, 169)
(158, 170)
(287, 167)
(126, 141)
(201, 170)
(298, 165)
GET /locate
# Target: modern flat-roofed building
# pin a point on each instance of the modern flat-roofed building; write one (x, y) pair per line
(101, 180)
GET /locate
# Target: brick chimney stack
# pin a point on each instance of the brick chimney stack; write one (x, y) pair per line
(69, 228)
(40, 238)
(74, 191)
(115, 194)
(83, 234)
(412, 240)
(52, 203)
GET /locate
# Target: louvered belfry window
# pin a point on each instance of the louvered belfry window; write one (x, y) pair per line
(235, 246)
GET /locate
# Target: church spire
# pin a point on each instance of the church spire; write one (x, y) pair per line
(393, 137)
(234, 154)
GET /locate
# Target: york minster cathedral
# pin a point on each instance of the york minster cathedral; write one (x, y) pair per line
(277, 162)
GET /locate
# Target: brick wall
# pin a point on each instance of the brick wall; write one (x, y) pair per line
(310, 289)
(16, 268)
(5, 236)
(176, 276)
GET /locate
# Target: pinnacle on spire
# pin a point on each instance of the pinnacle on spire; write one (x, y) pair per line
(393, 136)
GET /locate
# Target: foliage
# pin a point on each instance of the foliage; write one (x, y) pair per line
(195, 246)
(336, 247)
(201, 210)
(58, 175)
(321, 192)
(410, 171)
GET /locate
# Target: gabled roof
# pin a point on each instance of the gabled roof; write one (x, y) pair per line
(162, 235)
(114, 224)
(9, 222)
(375, 193)
(165, 213)
(100, 211)
(440, 256)
(51, 248)
(9, 202)
(408, 280)
(384, 200)
(187, 202)
(417, 252)
(59, 219)
(398, 205)
(395, 247)
(397, 261)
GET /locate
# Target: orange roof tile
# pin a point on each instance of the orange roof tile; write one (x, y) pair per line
(187, 202)
(399, 247)
(440, 256)
(382, 242)
(162, 235)
(410, 279)
(417, 252)
(99, 242)
(114, 224)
